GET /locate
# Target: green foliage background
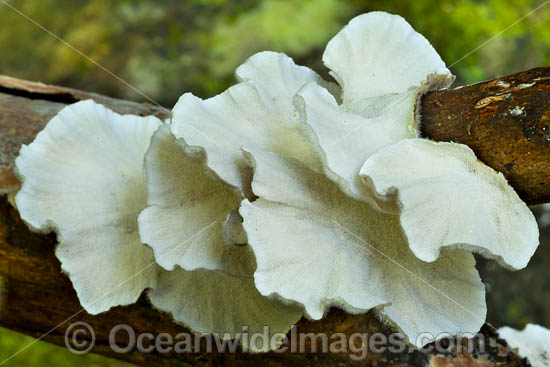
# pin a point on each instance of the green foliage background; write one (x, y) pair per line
(167, 47)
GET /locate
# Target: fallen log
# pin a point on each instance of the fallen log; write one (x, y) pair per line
(506, 122)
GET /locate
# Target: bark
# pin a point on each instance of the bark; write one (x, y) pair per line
(507, 124)
(37, 299)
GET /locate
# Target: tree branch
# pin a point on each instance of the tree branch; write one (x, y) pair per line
(36, 298)
(507, 124)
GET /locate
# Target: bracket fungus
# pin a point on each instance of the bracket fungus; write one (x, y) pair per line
(282, 196)
(533, 343)
(84, 177)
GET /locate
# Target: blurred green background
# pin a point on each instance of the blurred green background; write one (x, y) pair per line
(167, 47)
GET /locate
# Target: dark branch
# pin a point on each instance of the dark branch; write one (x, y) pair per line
(507, 124)
(35, 297)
